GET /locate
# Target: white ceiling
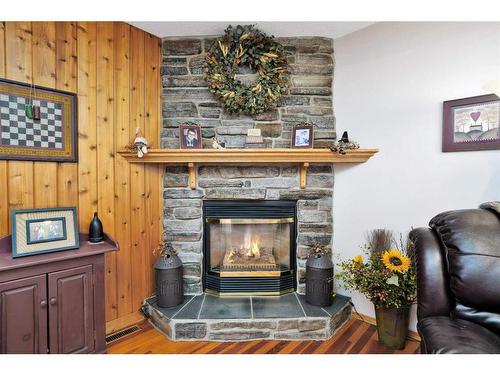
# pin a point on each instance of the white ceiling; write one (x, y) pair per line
(334, 29)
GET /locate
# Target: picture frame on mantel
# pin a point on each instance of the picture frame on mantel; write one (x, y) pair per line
(471, 124)
(44, 230)
(303, 136)
(37, 123)
(190, 136)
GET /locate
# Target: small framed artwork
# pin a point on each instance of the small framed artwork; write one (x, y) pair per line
(303, 136)
(471, 124)
(190, 136)
(37, 123)
(44, 230)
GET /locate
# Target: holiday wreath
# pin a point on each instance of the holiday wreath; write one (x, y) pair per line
(246, 45)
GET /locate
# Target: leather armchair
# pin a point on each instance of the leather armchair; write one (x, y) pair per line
(458, 281)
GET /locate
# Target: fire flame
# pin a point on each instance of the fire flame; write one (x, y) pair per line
(254, 249)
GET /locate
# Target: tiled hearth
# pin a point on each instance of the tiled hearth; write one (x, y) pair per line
(208, 318)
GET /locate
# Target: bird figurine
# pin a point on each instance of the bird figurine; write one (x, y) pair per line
(345, 138)
(344, 144)
(218, 145)
(140, 143)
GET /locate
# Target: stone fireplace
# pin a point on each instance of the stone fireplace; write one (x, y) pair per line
(186, 98)
(247, 229)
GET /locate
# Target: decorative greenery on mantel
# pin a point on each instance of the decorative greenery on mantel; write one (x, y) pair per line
(247, 45)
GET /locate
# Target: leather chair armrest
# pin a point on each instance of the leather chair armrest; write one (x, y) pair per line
(433, 291)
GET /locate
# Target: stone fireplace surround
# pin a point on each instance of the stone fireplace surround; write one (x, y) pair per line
(186, 98)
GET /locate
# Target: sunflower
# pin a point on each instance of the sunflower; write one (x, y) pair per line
(358, 259)
(395, 261)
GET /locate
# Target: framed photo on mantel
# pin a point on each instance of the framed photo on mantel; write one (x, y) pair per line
(471, 124)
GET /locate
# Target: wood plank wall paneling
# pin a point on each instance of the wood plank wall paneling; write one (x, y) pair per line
(114, 68)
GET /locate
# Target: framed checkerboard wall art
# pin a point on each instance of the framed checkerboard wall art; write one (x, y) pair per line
(37, 123)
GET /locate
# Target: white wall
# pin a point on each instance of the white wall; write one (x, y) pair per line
(390, 82)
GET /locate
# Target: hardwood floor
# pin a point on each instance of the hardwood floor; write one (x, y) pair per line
(355, 337)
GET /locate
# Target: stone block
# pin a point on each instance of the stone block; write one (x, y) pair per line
(340, 318)
(293, 335)
(322, 143)
(289, 171)
(182, 194)
(320, 181)
(169, 143)
(285, 325)
(182, 237)
(207, 133)
(320, 91)
(171, 180)
(311, 216)
(314, 59)
(191, 269)
(307, 44)
(281, 143)
(310, 69)
(235, 193)
(182, 94)
(169, 202)
(173, 70)
(174, 61)
(311, 239)
(183, 81)
(316, 227)
(239, 335)
(312, 110)
(288, 100)
(181, 47)
(325, 134)
(312, 324)
(190, 258)
(305, 194)
(271, 115)
(197, 64)
(307, 205)
(185, 213)
(209, 43)
(320, 169)
(269, 129)
(272, 194)
(323, 102)
(183, 225)
(160, 321)
(276, 182)
(323, 122)
(221, 183)
(191, 289)
(225, 325)
(187, 247)
(190, 331)
(209, 110)
(234, 128)
(303, 252)
(312, 81)
(293, 118)
(233, 141)
(325, 204)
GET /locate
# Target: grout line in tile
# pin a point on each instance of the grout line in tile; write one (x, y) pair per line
(251, 305)
(201, 306)
(182, 308)
(330, 315)
(300, 304)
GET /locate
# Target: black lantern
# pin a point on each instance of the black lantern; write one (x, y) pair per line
(319, 280)
(169, 280)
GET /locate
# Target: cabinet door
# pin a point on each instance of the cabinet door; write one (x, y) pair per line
(23, 315)
(71, 306)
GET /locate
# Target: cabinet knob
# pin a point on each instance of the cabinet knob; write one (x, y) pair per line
(43, 303)
(53, 301)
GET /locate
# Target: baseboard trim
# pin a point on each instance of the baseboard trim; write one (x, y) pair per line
(124, 321)
(412, 335)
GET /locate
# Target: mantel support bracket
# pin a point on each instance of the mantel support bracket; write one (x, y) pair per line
(303, 175)
(192, 175)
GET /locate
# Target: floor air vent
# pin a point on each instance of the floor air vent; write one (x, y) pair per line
(121, 334)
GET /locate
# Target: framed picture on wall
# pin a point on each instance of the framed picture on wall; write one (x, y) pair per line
(471, 124)
(37, 123)
(303, 136)
(44, 230)
(190, 136)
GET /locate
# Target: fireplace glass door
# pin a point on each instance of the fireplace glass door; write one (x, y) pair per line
(250, 247)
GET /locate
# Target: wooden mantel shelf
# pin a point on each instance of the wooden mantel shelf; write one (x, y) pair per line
(304, 157)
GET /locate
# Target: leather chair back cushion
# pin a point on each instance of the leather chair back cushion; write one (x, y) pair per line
(471, 239)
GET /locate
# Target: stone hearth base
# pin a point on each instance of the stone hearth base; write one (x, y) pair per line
(208, 318)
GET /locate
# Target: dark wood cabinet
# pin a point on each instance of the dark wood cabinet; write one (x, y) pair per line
(53, 303)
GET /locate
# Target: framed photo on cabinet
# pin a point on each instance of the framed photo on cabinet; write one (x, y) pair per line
(44, 230)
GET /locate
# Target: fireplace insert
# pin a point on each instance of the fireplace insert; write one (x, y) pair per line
(249, 247)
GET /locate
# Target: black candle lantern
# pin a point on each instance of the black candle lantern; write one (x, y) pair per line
(96, 233)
